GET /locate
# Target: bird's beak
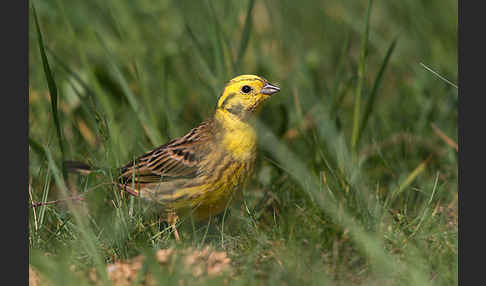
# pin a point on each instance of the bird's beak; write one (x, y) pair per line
(269, 89)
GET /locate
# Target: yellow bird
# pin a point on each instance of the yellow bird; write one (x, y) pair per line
(205, 168)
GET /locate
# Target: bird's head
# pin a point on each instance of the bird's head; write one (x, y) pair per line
(244, 94)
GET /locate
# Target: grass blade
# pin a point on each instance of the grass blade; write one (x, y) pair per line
(51, 83)
(444, 137)
(148, 126)
(361, 75)
(439, 76)
(37, 148)
(427, 206)
(45, 194)
(410, 178)
(340, 66)
(96, 112)
(87, 236)
(203, 59)
(245, 37)
(226, 43)
(379, 78)
(219, 41)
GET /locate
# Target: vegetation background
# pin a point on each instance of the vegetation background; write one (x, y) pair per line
(357, 179)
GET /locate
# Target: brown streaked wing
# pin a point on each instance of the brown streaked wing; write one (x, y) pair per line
(177, 159)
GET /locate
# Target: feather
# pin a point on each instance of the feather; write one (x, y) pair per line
(178, 159)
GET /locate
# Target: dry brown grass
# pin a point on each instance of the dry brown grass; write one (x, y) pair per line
(35, 279)
(198, 262)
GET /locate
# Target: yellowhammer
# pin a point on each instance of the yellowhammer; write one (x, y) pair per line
(203, 169)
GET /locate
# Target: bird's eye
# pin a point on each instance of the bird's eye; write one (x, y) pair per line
(246, 89)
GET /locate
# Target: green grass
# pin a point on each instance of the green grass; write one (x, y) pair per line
(352, 187)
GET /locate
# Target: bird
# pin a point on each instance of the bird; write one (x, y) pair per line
(203, 170)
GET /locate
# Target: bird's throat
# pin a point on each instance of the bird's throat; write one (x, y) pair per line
(237, 136)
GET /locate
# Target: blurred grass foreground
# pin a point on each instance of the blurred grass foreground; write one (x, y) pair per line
(356, 181)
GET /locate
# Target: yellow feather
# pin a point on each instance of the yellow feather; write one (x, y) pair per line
(239, 137)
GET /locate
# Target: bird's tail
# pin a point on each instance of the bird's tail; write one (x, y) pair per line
(85, 169)
(78, 167)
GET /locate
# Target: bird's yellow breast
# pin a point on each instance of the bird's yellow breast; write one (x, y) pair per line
(238, 137)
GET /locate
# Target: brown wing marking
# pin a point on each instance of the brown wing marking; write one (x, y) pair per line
(178, 159)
